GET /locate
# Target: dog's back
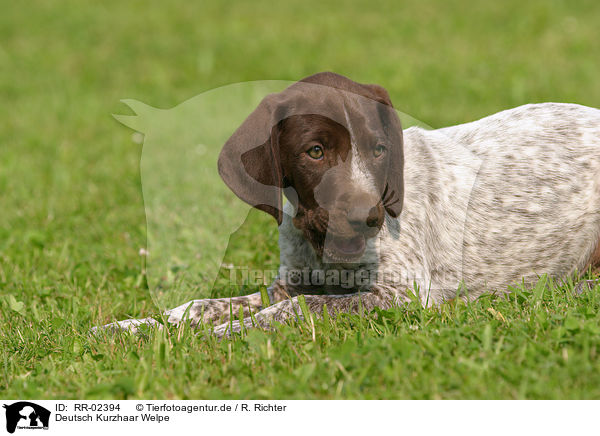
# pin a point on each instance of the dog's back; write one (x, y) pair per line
(511, 196)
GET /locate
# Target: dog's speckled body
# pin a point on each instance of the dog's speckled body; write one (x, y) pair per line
(486, 205)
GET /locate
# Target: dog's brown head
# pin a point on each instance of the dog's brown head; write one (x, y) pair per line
(334, 147)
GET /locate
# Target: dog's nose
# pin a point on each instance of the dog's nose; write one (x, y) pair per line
(362, 218)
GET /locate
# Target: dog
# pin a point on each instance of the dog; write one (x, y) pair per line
(376, 215)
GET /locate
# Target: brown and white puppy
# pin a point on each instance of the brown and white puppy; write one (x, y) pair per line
(373, 208)
(334, 147)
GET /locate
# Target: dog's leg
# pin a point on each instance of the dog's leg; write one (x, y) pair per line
(210, 310)
(214, 310)
(219, 309)
(290, 308)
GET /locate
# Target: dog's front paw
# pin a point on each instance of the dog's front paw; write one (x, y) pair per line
(128, 325)
(200, 311)
(191, 311)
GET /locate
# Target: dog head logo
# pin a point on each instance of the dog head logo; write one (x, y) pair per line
(26, 415)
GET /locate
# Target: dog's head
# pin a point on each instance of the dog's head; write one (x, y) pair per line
(334, 148)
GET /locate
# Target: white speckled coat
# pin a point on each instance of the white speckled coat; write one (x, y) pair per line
(488, 204)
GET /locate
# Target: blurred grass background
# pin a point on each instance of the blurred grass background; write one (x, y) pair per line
(71, 211)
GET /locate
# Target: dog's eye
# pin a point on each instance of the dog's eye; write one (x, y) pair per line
(315, 152)
(379, 150)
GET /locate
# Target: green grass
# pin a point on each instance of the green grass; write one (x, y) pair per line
(72, 216)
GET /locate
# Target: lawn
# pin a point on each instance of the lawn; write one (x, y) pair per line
(72, 217)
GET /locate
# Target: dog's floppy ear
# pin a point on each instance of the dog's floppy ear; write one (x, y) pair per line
(263, 165)
(253, 172)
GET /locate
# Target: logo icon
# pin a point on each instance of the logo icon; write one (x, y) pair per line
(26, 415)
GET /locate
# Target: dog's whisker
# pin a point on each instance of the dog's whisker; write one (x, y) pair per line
(390, 196)
(385, 192)
(392, 203)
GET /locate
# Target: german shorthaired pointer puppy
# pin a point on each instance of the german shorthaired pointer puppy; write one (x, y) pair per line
(375, 214)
